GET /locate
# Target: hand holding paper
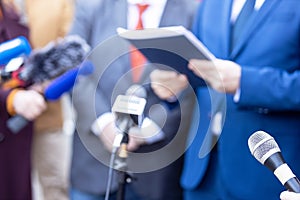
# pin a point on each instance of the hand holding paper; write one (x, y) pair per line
(169, 48)
(221, 75)
(167, 84)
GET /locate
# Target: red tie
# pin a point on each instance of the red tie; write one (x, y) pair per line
(137, 59)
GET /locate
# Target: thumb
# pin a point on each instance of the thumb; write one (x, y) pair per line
(286, 195)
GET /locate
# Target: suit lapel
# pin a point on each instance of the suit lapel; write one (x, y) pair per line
(121, 9)
(171, 7)
(257, 20)
(226, 26)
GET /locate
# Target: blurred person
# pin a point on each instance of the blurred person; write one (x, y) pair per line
(97, 21)
(257, 68)
(15, 149)
(48, 21)
(287, 195)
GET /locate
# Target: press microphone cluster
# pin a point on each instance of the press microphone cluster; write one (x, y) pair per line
(265, 149)
(45, 63)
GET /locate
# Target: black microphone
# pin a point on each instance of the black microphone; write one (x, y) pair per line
(265, 149)
(53, 92)
(129, 108)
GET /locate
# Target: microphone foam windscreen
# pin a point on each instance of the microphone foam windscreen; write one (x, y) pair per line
(262, 146)
(55, 58)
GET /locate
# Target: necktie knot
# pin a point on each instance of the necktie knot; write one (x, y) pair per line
(136, 57)
(141, 8)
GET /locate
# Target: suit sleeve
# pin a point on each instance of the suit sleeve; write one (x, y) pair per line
(270, 88)
(83, 18)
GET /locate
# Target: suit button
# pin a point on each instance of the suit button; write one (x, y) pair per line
(263, 110)
(2, 137)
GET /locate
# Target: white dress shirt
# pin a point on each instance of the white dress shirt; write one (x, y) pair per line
(237, 6)
(151, 19)
(151, 16)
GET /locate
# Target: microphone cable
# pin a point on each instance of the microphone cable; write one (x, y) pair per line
(116, 145)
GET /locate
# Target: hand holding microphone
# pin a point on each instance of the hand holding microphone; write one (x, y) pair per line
(53, 92)
(286, 195)
(126, 114)
(264, 148)
(29, 103)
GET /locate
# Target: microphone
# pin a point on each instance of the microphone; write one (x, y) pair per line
(265, 149)
(11, 71)
(66, 81)
(129, 108)
(14, 48)
(54, 91)
(52, 60)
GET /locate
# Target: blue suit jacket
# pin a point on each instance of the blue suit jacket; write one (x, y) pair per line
(269, 54)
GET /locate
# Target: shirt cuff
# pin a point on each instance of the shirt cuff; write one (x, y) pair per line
(237, 95)
(10, 102)
(151, 131)
(101, 122)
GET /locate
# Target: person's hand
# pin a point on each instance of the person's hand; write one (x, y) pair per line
(40, 87)
(136, 139)
(286, 195)
(29, 103)
(108, 135)
(167, 84)
(221, 75)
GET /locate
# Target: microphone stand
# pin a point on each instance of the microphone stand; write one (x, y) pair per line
(121, 162)
(124, 177)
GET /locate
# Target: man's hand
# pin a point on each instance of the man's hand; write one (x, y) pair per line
(167, 84)
(136, 139)
(222, 75)
(286, 195)
(29, 103)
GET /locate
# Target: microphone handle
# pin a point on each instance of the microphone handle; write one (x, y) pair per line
(16, 123)
(293, 185)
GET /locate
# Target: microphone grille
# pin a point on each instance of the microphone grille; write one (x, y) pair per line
(262, 146)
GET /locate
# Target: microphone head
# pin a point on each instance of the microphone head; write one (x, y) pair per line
(136, 90)
(66, 81)
(262, 146)
(54, 59)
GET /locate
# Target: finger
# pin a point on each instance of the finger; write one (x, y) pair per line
(285, 195)
(132, 144)
(162, 75)
(197, 68)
